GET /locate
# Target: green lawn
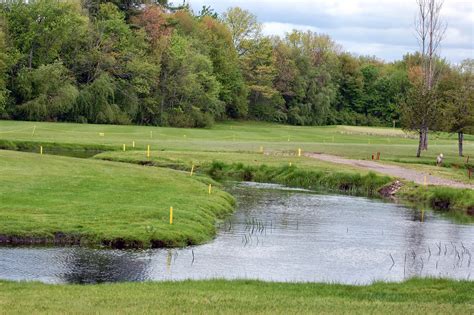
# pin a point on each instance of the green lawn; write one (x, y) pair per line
(240, 136)
(239, 297)
(249, 137)
(104, 203)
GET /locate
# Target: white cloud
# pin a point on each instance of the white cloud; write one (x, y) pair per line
(375, 27)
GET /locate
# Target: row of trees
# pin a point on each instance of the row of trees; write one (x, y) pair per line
(126, 61)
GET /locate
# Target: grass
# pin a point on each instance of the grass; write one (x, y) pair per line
(415, 296)
(51, 199)
(242, 136)
(304, 173)
(248, 137)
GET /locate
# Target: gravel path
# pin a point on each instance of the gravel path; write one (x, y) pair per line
(392, 170)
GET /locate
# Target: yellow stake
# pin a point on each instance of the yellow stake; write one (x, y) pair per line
(148, 151)
(426, 181)
(299, 152)
(41, 149)
(261, 149)
(290, 164)
(123, 147)
(133, 144)
(171, 215)
(192, 170)
(210, 189)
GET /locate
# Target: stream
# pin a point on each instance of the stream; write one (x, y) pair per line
(277, 234)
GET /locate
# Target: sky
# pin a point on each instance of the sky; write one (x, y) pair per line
(382, 28)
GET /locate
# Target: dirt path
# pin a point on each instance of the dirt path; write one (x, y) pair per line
(392, 170)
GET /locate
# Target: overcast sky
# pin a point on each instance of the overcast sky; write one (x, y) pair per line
(383, 28)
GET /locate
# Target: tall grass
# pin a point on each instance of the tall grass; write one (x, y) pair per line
(292, 176)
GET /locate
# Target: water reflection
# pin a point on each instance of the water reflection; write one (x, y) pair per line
(277, 235)
(95, 266)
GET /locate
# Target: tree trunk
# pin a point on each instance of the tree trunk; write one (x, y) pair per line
(460, 142)
(425, 139)
(30, 58)
(420, 144)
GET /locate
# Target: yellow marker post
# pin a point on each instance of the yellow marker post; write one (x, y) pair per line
(210, 189)
(133, 144)
(261, 149)
(299, 152)
(192, 170)
(148, 151)
(290, 164)
(41, 149)
(101, 134)
(171, 215)
(425, 181)
(124, 148)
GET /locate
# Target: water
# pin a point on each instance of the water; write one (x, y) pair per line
(77, 153)
(277, 235)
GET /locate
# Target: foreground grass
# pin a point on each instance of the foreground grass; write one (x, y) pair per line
(50, 199)
(239, 297)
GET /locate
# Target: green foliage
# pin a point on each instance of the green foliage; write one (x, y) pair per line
(47, 93)
(95, 103)
(3, 68)
(166, 65)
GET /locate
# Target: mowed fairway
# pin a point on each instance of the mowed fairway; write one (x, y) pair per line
(239, 297)
(353, 142)
(243, 142)
(50, 198)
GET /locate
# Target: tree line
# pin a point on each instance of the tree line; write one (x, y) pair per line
(152, 63)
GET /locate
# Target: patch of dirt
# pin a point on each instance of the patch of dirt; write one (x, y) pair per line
(389, 191)
(391, 170)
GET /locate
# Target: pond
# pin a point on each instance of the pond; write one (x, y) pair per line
(277, 234)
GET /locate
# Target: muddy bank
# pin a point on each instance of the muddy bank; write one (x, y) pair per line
(62, 240)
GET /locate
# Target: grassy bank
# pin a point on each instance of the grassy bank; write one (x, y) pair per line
(60, 200)
(239, 297)
(348, 141)
(457, 202)
(290, 171)
(304, 173)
